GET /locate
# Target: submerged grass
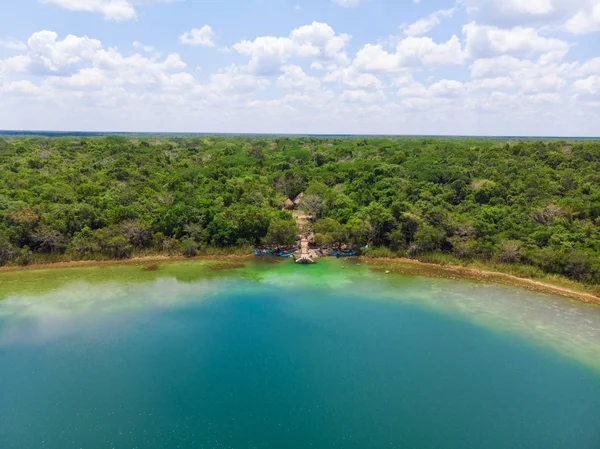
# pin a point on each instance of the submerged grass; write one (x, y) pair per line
(219, 260)
(39, 259)
(449, 263)
(161, 280)
(487, 273)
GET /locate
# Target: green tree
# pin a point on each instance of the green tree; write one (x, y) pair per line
(281, 232)
(7, 250)
(329, 232)
(358, 232)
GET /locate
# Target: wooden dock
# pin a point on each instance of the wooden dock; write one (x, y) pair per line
(305, 256)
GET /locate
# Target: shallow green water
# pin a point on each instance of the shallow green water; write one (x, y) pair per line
(196, 355)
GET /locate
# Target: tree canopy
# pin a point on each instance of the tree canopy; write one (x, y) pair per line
(515, 201)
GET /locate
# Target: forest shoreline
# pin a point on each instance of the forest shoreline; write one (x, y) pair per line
(529, 208)
(398, 265)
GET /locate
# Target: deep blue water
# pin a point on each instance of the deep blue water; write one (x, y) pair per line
(253, 366)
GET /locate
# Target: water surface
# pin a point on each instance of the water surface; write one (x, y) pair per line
(198, 355)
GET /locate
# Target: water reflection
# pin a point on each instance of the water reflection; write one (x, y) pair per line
(40, 312)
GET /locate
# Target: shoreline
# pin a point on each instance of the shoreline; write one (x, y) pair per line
(416, 267)
(141, 260)
(393, 265)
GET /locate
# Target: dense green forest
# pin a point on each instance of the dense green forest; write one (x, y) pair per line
(528, 202)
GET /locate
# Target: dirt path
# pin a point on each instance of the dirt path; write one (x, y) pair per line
(302, 220)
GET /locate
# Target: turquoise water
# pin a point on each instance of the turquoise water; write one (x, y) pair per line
(277, 356)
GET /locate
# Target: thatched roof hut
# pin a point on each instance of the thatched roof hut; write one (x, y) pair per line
(298, 199)
(288, 204)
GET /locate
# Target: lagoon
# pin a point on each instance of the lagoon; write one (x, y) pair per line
(272, 355)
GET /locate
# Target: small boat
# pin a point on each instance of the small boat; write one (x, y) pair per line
(344, 254)
(263, 252)
(282, 253)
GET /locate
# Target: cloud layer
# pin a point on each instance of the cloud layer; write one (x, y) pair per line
(506, 69)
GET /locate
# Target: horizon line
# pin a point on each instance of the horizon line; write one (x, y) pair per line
(67, 133)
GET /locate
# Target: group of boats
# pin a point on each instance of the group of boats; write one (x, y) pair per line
(273, 252)
(279, 252)
(305, 251)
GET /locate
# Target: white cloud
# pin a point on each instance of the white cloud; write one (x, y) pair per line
(374, 58)
(48, 54)
(512, 8)
(412, 52)
(426, 24)
(235, 79)
(510, 66)
(542, 84)
(513, 12)
(500, 82)
(577, 16)
(84, 80)
(590, 85)
(347, 3)
(302, 90)
(16, 64)
(146, 48)
(361, 96)
(403, 80)
(81, 67)
(294, 78)
(442, 89)
(591, 66)
(202, 37)
(485, 41)
(110, 9)
(351, 78)
(136, 69)
(546, 75)
(493, 67)
(413, 90)
(518, 78)
(316, 41)
(435, 98)
(12, 44)
(423, 51)
(586, 21)
(23, 87)
(587, 91)
(446, 88)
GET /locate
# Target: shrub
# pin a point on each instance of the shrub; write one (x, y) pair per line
(428, 239)
(189, 247)
(510, 252)
(117, 248)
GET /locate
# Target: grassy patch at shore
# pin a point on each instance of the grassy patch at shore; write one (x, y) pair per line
(514, 275)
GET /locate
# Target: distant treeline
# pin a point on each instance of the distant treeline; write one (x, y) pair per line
(527, 202)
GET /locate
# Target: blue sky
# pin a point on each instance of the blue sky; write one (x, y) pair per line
(482, 67)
